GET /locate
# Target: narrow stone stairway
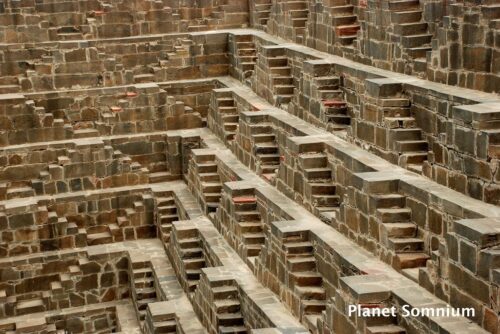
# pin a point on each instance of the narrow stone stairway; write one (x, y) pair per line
(306, 280)
(413, 32)
(320, 189)
(228, 308)
(227, 107)
(281, 77)
(263, 11)
(144, 291)
(344, 21)
(247, 55)
(327, 89)
(298, 12)
(266, 151)
(193, 259)
(211, 185)
(400, 234)
(249, 224)
(166, 214)
(407, 138)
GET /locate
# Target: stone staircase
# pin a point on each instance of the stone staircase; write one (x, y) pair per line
(166, 214)
(192, 257)
(400, 234)
(305, 279)
(281, 78)
(143, 289)
(30, 302)
(250, 225)
(411, 31)
(226, 106)
(246, 52)
(319, 185)
(344, 21)
(298, 13)
(335, 111)
(262, 11)
(227, 307)
(406, 138)
(266, 150)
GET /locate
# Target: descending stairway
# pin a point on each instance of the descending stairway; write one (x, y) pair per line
(166, 214)
(344, 21)
(411, 31)
(326, 89)
(144, 291)
(262, 11)
(249, 224)
(319, 188)
(226, 106)
(281, 78)
(247, 55)
(193, 259)
(399, 234)
(307, 282)
(266, 150)
(298, 12)
(228, 308)
(406, 137)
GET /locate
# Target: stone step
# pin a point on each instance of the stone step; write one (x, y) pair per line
(403, 5)
(145, 293)
(225, 292)
(160, 177)
(229, 319)
(167, 210)
(344, 19)
(266, 148)
(99, 238)
(194, 263)
(318, 174)
(250, 227)
(299, 247)
(412, 145)
(189, 243)
(416, 168)
(283, 89)
(142, 272)
(296, 264)
(193, 274)
(314, 160)
(306, 278)
(412, 158)
(394, 215)
(310, 292)
(280, 71)
(30, 306)
(254, 238)
(144, 282)
(406, 29)
(322, 188)
(206, 167)
(225, 102)
(419, 51)
(227, 305)
(410, 260)
(406, 134)
(325, 200)
(415, 40)
(211, 187)
(313, 306)
(270, 158)
(247, 216)
(387, 201)
(399, 230)
(406, 245)
(191, 253)
(263, 137)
